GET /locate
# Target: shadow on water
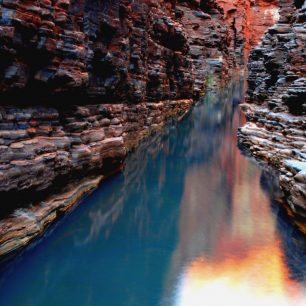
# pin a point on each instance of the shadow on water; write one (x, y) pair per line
(190, 219)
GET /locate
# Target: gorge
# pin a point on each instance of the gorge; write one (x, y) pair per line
(147, 92)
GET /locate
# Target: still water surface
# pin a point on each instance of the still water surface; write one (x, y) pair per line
(191, 221)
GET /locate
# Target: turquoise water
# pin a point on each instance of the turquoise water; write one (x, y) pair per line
(191, 221)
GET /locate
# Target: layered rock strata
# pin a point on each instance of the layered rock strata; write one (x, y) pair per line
(276, 107)
(23, 225)
(40, 144)
(107, 50)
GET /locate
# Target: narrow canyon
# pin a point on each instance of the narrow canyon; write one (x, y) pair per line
(84, 84)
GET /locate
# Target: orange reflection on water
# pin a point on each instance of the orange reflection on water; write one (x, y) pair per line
(245, 264)
(229, 251)
(243, 261)
(258, 279)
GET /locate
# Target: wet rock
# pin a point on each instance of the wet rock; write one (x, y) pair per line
(27, 223)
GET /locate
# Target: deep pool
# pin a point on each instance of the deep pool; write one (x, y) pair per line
(191, 221)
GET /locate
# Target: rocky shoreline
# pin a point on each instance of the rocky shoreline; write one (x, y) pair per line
(276, 105)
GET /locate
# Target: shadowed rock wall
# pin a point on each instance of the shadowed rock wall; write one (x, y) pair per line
(110, 50)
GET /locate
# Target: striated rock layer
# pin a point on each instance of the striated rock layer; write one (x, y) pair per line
(112, 51)
(83, 81)
(276, 107)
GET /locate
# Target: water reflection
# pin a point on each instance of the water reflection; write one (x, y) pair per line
(230, 249)
(190, 221)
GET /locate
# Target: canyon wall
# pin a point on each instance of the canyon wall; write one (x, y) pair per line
(82, 82)
(276, 107)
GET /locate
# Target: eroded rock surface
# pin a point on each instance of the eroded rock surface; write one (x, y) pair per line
(27, 223)
(277, 102)
(107, 50)
(40, 144)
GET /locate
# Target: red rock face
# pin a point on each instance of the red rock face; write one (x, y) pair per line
(117, 50)
(247, 21)
(107, 50)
